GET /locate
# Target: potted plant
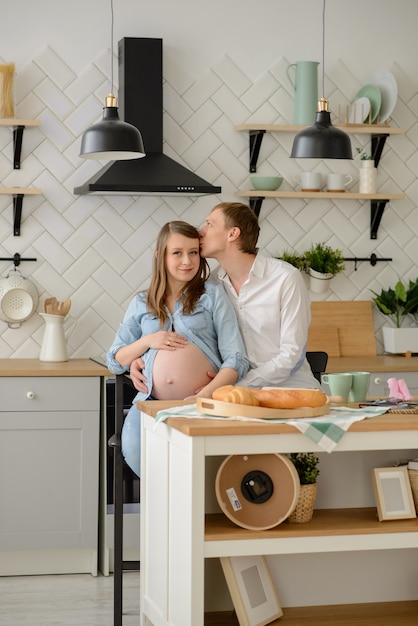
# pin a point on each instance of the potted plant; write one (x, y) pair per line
(397, 303)
(306, 464)
(323, 262)
(295, 259)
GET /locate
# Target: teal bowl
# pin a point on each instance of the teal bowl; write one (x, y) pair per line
(266, 183)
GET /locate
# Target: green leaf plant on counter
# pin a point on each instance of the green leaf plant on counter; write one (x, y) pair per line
(398, 302)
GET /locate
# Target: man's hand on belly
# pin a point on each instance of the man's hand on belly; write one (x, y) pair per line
(137, 376)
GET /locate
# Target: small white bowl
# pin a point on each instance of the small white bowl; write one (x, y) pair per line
(266, 183)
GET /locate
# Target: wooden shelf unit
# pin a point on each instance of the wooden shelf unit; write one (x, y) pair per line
(378, 201)
(18, 193)
(174, 498)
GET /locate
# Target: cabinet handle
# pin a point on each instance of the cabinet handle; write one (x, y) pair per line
(30, 395)
(377, 381)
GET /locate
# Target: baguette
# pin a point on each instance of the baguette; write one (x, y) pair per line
(272, 398)
(277, 398)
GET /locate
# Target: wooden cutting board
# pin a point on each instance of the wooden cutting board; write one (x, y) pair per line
(231, 409)
(342, 328)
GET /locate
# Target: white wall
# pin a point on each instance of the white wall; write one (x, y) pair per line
(224, 64)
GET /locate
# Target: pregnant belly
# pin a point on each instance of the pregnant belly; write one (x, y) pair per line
(179, 373)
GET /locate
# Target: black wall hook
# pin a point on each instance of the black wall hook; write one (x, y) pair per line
(16, 259)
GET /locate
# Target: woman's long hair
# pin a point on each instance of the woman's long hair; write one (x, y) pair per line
(156, 295)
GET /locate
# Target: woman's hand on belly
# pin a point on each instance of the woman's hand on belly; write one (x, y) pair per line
(166, 340)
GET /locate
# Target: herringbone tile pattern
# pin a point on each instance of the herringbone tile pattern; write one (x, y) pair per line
(98, 249)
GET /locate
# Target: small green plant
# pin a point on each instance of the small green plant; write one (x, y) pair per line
(324, 259)
(306, 465)
(364, 156)
(411, 303)
(399, 302)
(295, 259)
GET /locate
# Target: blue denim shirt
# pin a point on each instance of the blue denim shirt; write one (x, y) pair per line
(212, 327)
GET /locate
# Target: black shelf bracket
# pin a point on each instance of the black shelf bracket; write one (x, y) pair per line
(256, 138)
(378, 143)
(17, 213)
(17, 146)
(377, 208)
(372, 259)
(255, 204)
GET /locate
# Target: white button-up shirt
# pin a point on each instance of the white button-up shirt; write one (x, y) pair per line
(273, 310)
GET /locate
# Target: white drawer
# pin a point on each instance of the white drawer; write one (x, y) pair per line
(379, 382)
(52, 393)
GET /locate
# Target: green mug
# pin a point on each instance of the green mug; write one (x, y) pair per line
(339, 384)
(359, 386)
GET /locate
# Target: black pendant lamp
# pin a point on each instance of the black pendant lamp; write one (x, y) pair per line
(322, 140)
(111, 139)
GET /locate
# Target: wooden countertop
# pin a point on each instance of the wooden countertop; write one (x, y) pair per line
(206, 427)
(34, 367)
(381, 363)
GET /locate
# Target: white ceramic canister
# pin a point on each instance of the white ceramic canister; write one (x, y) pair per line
(368, 177)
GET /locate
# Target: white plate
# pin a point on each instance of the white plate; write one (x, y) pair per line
(388, 87)
(360, 110)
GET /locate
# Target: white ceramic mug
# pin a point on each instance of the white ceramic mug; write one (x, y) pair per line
(310, 181)
(338, 182)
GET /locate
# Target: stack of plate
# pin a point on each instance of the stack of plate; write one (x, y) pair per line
(374, 103)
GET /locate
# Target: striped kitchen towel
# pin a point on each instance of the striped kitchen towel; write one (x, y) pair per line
(326, 431)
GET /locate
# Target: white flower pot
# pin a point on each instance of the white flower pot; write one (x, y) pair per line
(319, 283)
(398, 340)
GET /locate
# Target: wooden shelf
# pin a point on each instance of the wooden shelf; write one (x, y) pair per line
(15, 121)
(331, 530)
(378, 133)
(370, 614)
(353, 129)
(18, 125)
(20, 191)
(320, 195)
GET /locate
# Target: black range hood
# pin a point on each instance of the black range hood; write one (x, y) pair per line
(140, 102)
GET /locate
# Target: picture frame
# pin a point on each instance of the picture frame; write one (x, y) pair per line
(251, 588)
(393, 493)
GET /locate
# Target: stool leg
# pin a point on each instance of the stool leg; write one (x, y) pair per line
(118, 505)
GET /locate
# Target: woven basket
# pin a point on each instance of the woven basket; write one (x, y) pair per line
(413, 479)
(305, 505)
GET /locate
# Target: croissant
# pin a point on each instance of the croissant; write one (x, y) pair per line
(239, 395)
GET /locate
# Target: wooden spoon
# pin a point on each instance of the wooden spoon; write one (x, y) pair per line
(49, 304)
(64, 307)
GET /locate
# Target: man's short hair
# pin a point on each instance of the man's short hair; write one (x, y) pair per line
(237, 214)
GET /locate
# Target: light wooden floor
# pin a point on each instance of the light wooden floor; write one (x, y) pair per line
(75, 600)
(84, 600)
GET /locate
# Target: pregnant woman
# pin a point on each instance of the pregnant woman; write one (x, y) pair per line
(182, 326)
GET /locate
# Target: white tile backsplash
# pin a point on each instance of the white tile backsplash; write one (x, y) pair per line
(98, 250)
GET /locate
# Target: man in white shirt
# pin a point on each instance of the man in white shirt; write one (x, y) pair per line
(270, 299)
(269, 296)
